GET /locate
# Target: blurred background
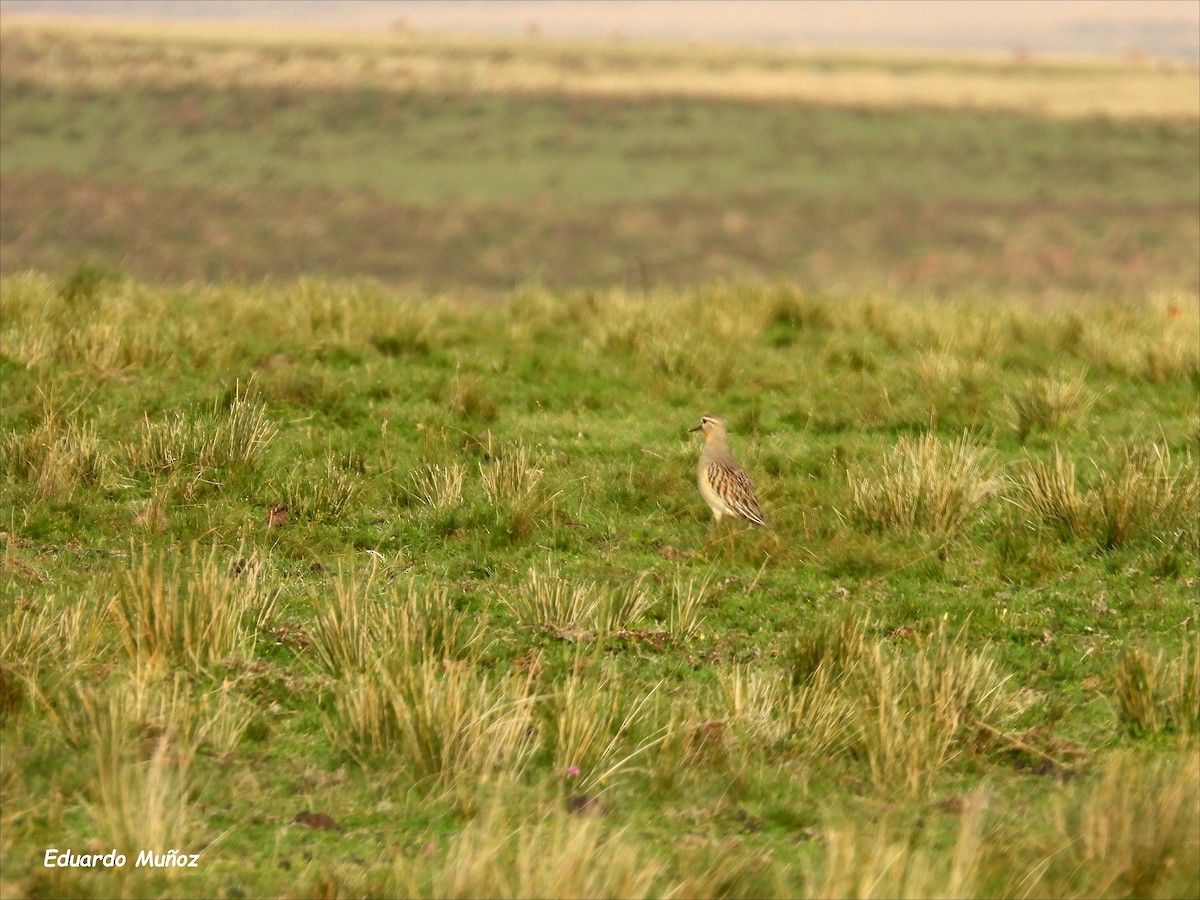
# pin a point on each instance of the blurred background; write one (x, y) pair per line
(1158, 27)
(1042, 149)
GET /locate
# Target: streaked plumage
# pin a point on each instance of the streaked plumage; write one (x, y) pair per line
(724, 484)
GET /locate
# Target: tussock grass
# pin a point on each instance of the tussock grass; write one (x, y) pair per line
(439, 487)
(514, 484)
(352, 631)
(362, 625)
(470, 398)
(150, 712)
(152, 517)
(445, 723)
(926, 486)
(142, 804)
(576, 610)
(877, 863)
(547, 600)
(834, 644)
(191, 610)
(949, 387)
(225, 440)
(144, 736)
(1048, 493)
(813, 720)
(511, 476)
(1133, 831)
(97, 347)
(1051, 404)
(595, 729)
(57, 455)
(685, 606)
(1137, 492)
(624, 607)
(1157, 694)
(43, 649)
(503, 854)
(915, 715)
(1146, 493)
(795, 311)
(1156, 355)
(321, 492)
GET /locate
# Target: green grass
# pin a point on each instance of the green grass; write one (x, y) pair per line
(433, 186)
(439, 570)
(370, 562)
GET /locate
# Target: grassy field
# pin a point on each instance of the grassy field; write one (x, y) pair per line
(413, 161)
(399, 584)
(439, 572)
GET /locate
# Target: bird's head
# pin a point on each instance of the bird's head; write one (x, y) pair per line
(712, 425)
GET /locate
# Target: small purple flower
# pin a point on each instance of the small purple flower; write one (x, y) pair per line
(573, 771)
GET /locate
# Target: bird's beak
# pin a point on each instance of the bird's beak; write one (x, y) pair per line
(697, 428)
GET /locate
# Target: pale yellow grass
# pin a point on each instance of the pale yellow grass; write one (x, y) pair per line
(110, 54)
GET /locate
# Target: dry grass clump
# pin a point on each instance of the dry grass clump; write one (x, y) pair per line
(1145, 494)
(797, 311)
(43, 649)
(1050, 404)
(438, 487)
(447, 724)
(515, 486)
(926, 486)
(93, 323)
(1133, 831)
(58, 454)
(768, 708)
(191, 610)
(143, 805)
(576, 610)
(1048, 493)
(1156, 694)
(361, 625)
(685, 606)
(144, 734)
(1157, 345)
(543, 855)
(351, 630)
(881, 861)
(1142, 495)
(939, 370)
(322, 491)
(916, 715)
(469, 397)
(906, 716)
(836, 644)
(547, 600)
(198, 446)
(147, 710)
(621, 608)
(27, 332)
(338, 314)
(596, 728)
(512, 476)
(676, 338)
(97, 346)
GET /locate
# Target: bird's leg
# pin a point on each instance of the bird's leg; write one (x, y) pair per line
(719, 532)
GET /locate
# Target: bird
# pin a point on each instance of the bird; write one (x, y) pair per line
(724, 484)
